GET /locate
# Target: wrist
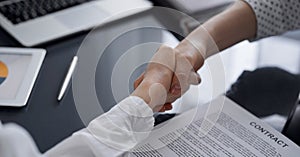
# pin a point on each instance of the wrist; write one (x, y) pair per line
(153, 93)
(142, 92)
(202, 41)
(192, 54)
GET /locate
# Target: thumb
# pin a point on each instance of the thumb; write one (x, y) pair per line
(194, 78)
(138, 81)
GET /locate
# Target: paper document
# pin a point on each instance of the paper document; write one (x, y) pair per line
(219, 129)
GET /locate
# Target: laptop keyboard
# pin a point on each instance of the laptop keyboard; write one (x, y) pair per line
(24, 10)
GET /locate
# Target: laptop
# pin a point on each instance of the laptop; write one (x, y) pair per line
(194, 6)
(33, 22)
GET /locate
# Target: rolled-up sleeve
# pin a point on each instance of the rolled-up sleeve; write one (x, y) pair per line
(275, 17)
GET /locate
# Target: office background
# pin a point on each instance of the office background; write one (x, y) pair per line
(49, 121)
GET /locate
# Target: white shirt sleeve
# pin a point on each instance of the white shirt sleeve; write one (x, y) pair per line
(111, 134)
(16, 142)
(275, 17)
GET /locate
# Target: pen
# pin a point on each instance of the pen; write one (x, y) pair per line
(68, 78)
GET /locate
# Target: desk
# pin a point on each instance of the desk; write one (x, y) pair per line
(50, 121)
(47, 120)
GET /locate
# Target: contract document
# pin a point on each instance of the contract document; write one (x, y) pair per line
(220, 128)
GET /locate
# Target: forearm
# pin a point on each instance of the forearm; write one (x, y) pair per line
(235, 24)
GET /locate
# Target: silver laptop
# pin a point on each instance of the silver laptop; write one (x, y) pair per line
(33, 22)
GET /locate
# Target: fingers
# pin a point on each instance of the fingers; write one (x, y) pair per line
(163, 108)
(182, 72)
(194, 78)
(167, 77)
(138, 81)
(158, 94)
(168, 106)
(153, 86)
(185, 76)
(175, 87)
(161, 67)
(164, 57)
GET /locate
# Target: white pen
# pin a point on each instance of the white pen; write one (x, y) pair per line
(68, 78)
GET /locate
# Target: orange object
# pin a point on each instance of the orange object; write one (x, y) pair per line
(3, 70)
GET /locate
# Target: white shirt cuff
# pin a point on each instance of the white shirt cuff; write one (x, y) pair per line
(125, 125)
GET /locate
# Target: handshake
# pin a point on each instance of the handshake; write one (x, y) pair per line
(171, 71)
(168, 76)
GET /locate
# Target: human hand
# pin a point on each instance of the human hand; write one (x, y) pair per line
(156, 82)
(187, 62)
